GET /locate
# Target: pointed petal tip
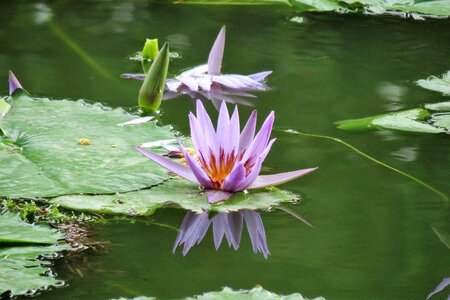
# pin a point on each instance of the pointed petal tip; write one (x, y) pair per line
(14, 83)
(216, 196)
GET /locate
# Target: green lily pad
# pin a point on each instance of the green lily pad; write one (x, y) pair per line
(442, 106)
(66, 147)
(174, 192)
(430, 7)
(15, 231)
(435, 83)
(442, 121)
(21, 270)
(228, 293)
(409, 120)
(255, 293)
(4, 107)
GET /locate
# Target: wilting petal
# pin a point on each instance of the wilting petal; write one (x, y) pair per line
(196, 71)
(173, 85)
(217, 195)
(190, 82)
(216, 54)
(260, 76)
(235, 178)
(14, 84)
(440, 287)
(196, 169)
(276, 179)
(179, 169)
(133, 76)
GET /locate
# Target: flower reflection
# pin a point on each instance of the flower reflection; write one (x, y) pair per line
(206, 81)
(230, 224)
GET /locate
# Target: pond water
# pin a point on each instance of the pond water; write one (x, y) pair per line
(373, 236)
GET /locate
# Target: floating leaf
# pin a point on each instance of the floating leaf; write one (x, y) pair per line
(51, 162)
(442, 121)
(233, 2)
(21, 271)
(174, 192)
(15, 231)
(408, 120)
(4, 107)
(435, 83)
(228, 293)
(152, 90)
(442, 106)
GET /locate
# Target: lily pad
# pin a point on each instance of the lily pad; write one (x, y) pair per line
(409, 120)
(228, 293)
(21, 270)
(174, 192)
(441, 106)
(435, 83)
(68, 147)
(4, 107)
(442, 121)
(15, 231)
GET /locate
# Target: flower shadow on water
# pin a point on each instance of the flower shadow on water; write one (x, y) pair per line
(230, 224)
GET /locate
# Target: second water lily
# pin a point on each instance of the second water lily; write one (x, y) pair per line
(226, 160)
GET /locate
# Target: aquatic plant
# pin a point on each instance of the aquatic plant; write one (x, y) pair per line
(226, 160)
(206, 80)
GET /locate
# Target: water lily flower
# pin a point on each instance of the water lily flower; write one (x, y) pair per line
(14, 84)
(207, 81)
(226, 160)
(195, 226)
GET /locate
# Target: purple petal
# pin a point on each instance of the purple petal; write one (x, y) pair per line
(198, 138)
(196, 71)
(235, 178)
(276, 179)
(14, 84)
(185, 225)
(223, 123)
(133, 76)
(248, 133)
(217, 195)
(190, 82)
(440, 287)
(216, 53)
(232, 134)
(179, 169)
(173, 85)
(260, 76)
(260, 142)
(205, 123)
(196, 169)
(252, 175)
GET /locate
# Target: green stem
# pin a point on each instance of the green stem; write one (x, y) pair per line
(78, 50)
(426, 185)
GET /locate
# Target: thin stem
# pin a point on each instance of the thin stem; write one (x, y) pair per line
(426, 185)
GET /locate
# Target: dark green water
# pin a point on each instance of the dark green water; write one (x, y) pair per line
(372, 237)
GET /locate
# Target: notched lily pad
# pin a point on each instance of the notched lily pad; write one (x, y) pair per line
(21, 271)
(174, 192)
(50, 160)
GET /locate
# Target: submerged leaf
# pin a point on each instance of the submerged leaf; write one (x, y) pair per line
(151, 93)
(174, 192)
(50, 162)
